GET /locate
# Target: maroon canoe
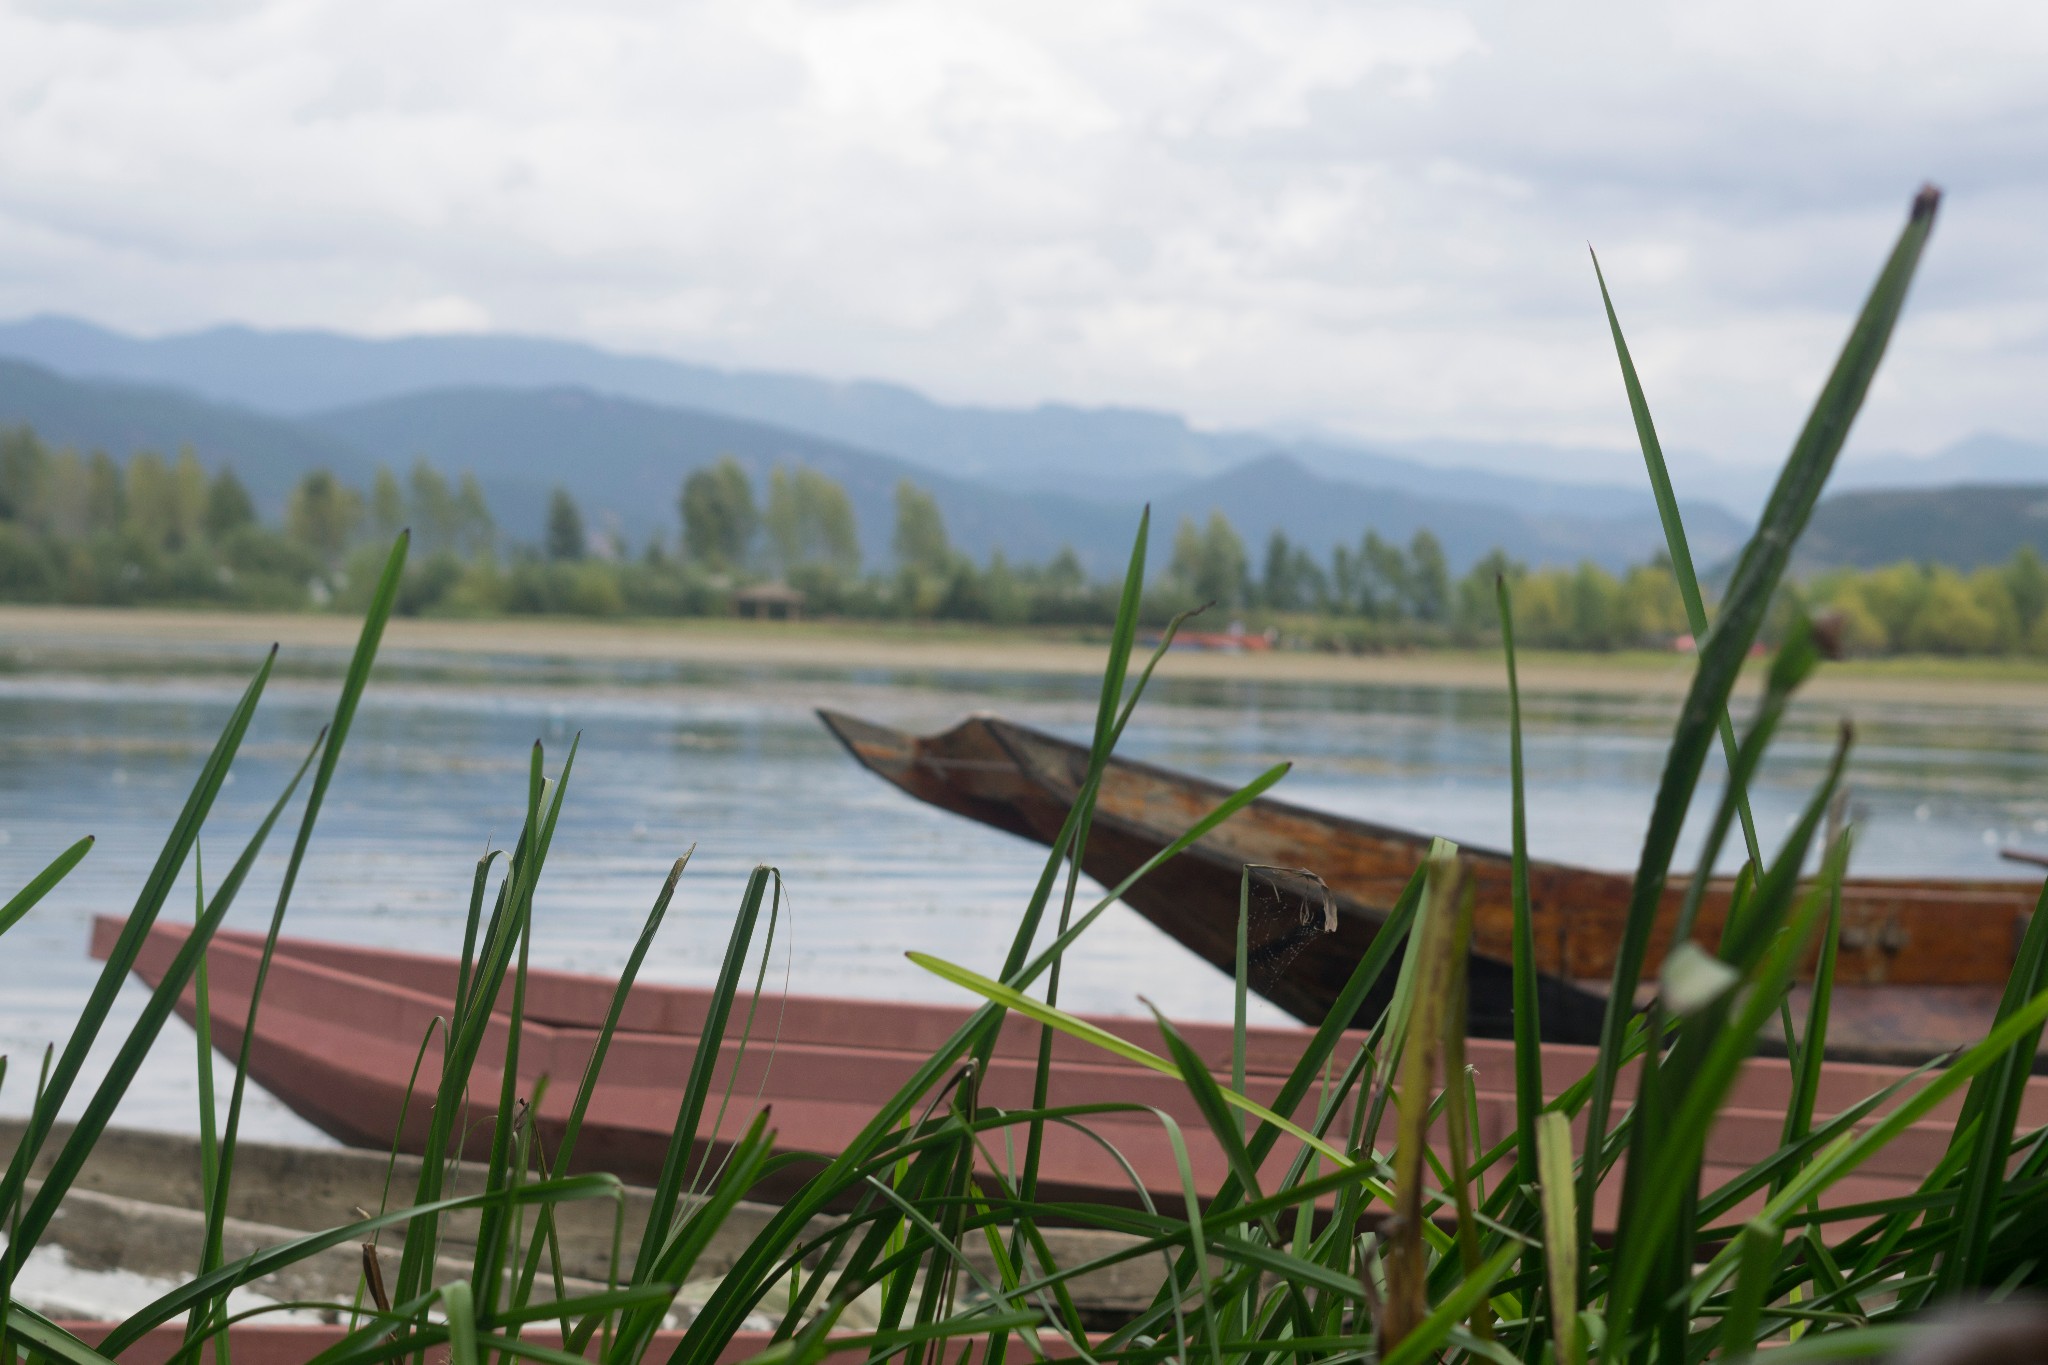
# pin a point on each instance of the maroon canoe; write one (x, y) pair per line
(1922, 964)
(340, 1028)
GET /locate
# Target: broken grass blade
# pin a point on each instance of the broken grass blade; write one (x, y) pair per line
(1557, 1190)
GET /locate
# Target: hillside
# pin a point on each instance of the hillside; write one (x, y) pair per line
(1965, 526)
(626, 460)
(268, 454)
(1279, 492)
(1120, 454)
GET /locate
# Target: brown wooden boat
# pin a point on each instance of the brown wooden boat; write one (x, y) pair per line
(1921, 967)
(341, 1026)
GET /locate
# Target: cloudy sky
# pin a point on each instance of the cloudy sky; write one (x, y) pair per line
(1366, 218)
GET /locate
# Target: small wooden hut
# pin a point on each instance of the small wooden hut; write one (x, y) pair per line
(769, 602)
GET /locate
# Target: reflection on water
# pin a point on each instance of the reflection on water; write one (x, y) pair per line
(732, 763)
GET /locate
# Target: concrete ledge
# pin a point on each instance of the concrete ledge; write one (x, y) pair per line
(136, 1206)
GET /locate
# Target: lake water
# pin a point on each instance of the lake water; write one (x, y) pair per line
(734, 763)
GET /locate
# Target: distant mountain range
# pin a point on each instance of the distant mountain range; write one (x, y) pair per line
(1122, 453)
(1966, 526)
(625, 459)
(269, 454)
(622, 431)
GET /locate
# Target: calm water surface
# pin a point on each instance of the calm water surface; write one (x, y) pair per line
(734, 763)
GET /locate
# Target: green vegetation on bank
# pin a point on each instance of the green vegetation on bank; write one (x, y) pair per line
(85, 529)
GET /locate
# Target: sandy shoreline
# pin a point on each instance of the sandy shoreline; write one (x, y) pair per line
(908, 649)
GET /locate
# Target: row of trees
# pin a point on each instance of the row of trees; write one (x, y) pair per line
(1934, 609)
(90, 529)
(87, 528)
(1375, 580)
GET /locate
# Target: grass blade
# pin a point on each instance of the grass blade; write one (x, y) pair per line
(156, 891)
(1755, 581)
(142, 1035)
(1528, 1020)
(42, 883)
(1992, 1109)
(1756, 1260)
(1459, 1304)
(1560, 1232)
(1209, 1100)
(1675, 542)
(703, 1066)
(353, 682)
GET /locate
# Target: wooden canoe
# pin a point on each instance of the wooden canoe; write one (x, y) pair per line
(340, 1028)
(1922, 961)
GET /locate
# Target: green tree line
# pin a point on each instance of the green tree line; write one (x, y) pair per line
(85, 528)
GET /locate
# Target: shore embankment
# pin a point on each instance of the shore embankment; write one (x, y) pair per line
(857, 647)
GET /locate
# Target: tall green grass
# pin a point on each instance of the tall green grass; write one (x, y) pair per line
(1361, 1219)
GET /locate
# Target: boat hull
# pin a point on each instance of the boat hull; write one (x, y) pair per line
(1921, 966)
(341, 1027)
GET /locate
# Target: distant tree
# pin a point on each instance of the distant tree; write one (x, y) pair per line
(1990, 590)
(67, 497)
(1002, 591)
(187, 512)
(26, 574)
(1950, 619)
(24, 469)
(387, 504)
(435, 517)
(1861, 630)
(1595, 606)
(565, 539)
(920, 541)
(1210, 561)
(1292, 580)
(810, 521)
(1311, 588)
(1429, 579)
(2026, 582)
(1383, 589)
(106, 493)
(1894, 595)
(719, 517)
(1347, 580)
(1065, 576)
(1186, 564)
(1651, 609)
(152, 513)
(1276, 584)
(323, 514)
(228, 505)
(473, 532)
(1477, 607)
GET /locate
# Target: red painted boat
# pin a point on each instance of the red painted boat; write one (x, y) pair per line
(340, 1028)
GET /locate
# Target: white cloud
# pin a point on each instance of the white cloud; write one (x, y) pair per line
(443, 313)
(1368, 217)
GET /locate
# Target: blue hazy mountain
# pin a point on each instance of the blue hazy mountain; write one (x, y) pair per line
(1966, 526)
(1121, 453)
(625, 460)
(269, 454)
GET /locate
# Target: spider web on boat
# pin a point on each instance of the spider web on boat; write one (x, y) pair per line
(1286, 910)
